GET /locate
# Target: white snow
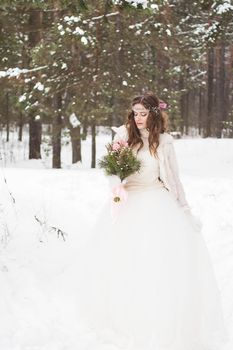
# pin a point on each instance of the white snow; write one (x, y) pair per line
(64, 65)
(144, 3)
(78, 30)
(39, 86)
(35, 314)
(154, 7)
(74, 121)
(84, 40)
(15, 72)
(72, 19)
(226, 6)
(22, 98)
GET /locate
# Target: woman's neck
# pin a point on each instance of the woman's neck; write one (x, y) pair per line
(144, 133)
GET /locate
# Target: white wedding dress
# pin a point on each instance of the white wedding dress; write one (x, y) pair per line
(148, 277)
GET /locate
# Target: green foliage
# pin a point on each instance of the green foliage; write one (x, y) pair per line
(113, 52)
(121, 162)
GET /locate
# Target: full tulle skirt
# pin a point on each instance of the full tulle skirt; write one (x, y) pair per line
(149, 278)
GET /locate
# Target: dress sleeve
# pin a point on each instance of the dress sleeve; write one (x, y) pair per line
(121, 133)
(173, 164)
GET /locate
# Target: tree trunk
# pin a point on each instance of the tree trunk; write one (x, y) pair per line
(186, 114)
(220, 90)
(210, 86)
(57, 127)
(20, 135)
(182, 104)
(35, 138)
(93, 144)
(7, 117)
(228, 101)
(200, 111)
(76, 144)
(113, 104)
(35, 24)
(84, 129)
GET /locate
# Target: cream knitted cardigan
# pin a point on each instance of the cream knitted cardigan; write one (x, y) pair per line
(168, 165)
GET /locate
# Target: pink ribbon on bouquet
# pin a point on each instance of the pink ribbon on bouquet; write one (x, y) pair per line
(118, 197)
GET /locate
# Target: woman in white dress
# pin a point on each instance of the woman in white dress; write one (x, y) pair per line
(147, 277)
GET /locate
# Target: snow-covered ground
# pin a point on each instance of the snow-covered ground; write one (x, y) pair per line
(36, 202)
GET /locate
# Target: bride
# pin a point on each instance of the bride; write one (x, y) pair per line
(147, 277)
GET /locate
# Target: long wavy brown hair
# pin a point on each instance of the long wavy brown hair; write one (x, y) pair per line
(157, 122)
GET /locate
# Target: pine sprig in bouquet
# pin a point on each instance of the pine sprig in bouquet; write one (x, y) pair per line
(119, 161)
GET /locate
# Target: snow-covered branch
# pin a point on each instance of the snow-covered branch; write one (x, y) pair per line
(15, 72)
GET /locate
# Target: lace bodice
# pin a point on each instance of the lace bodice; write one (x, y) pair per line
(148, 175)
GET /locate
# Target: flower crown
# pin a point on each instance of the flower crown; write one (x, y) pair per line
(156, 109)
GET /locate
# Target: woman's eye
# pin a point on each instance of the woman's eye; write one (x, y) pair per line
(141, 114)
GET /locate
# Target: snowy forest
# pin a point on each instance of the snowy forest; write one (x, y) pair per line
(68, 67)
(69, 70)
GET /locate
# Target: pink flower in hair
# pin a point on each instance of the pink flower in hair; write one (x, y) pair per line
(162, 105)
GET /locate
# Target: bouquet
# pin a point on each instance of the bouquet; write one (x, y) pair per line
(121, 162)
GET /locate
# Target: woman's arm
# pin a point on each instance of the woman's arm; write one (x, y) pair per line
(173, 164)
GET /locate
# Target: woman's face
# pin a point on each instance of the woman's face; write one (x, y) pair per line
(140, 115)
